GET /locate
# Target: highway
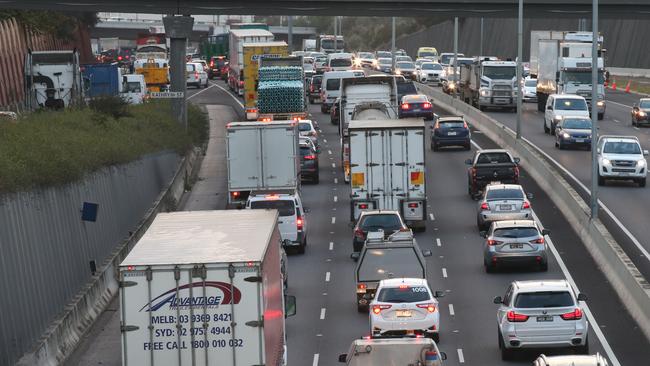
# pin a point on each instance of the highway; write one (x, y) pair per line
(322, 279)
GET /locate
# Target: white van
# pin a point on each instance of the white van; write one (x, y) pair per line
(133, 89)
(331, 88)
(339, 62)
(292, 223)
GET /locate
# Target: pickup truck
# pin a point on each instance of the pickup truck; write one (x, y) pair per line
(487, 166)
(383, 351)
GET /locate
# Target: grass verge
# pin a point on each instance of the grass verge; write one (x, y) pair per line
(54, 148)
(638, 85)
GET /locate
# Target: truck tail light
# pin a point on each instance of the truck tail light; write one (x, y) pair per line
(361, 288)
(376, 309)
(235, 194)
(492, 242)
(515, 317)
(485, 206)
(299, 223)
(574, 315)
(430, 307)
(525, 205)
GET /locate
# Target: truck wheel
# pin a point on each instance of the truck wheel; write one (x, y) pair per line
(546, 129)
(362, 308)
(641, 182)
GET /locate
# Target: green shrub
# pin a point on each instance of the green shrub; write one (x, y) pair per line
(54, 148)
(113, 106)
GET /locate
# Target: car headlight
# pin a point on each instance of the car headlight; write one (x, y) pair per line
(642, 114)
(640, 163)
(374, 62)
(398, 72)
(606, 161)
(557, 118)
(451, 85)
(565, 135)
(600, 103)
(485, 92)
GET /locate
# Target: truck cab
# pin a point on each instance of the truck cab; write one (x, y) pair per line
(487, 84)
(133, 89)
(381, 258)
(388, 351)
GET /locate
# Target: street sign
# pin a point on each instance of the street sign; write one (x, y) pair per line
(166, 95)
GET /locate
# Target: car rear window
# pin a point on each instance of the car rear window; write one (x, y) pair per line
(545, 299)
(341, 62)
(190, 67)
(515, 232)
(375, 222)
(285, 207)
(451, 124)
(305, 150)
(304, 127)
(493, 158)
(384, 263)
(505, 194)
(404, 294)
(333, 84)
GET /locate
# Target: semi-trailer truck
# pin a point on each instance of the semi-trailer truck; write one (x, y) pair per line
(237, 38)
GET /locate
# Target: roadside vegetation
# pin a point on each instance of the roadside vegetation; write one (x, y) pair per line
(54, 148)
(637, 84)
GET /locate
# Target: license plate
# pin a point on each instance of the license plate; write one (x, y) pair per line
(580, 140)
(501, 101)
(452, 133)
(516, 246)
(505, 207)
(545, 318)
(404, 313)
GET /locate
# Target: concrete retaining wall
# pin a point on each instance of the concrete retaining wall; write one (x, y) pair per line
(629, 284)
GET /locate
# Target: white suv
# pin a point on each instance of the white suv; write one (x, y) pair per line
(559, 106)
(621, 158)
(291, 220)
(541, 314)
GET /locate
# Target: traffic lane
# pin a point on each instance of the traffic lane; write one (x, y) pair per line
(621, 97)
(625, 199)
(217, 92)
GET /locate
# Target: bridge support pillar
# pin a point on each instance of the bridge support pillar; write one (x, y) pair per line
(178, 29)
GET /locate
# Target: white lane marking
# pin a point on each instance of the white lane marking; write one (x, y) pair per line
(324, 140)
(431, 217)
(331, 245)
(322, 313)
(327, 277)
(475, 145)
(461, 357)
(333, 219)
(438, 242)
(227, 92)
(451, 310)
(201, 91)
(594, 324)
(444, 272)
(619, 104)
(333, 165)
(316, 357)
(636, 128)
(617, 121)
(336, 181)
(329, 152)
(336, 199)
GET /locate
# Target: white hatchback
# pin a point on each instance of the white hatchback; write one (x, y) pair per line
(541, 314)
(405, 306)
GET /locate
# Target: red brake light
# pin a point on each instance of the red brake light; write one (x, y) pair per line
(413, 205)
(310, 157)
(537, 241)
(403, 287)
(361, 288)
(378, 308)
(241, 83)
(525, 205)
(465, 125)
(427, 105)
(517, 171)
(405, 106)
(363, 206)
(119, 58)
(299, 223)
(516, 318)
(430, 307)
(493, 242)
(574, 315)
(485, 206)
(359, 234)
(234, 194)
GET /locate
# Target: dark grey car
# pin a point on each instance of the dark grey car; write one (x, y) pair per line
(514, 242)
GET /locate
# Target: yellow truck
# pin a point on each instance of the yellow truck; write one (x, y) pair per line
(252, 53)
(156, 73)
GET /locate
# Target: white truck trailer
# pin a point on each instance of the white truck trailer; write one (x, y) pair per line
(205, 288)
(387, 168)
(237, 38)
(261, 156)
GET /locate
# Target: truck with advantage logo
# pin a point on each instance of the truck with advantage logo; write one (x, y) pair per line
(205, 288)
(252, 54)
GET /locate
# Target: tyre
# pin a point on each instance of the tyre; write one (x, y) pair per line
(552, 129)
(633, 122)
(556, 144)
(543, 267)
(362, 308)
(506, 354)
(323, 108)
(489, 268)
(560, 145)
(641, 182)
(435, 337)
(601, 180)
(302, 247)
(436, 147)
(584, 349)
(481, 108)
(546, 129)
(468, 147)
(432, 145)
(601, 116)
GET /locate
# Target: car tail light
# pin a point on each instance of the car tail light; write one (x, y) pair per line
(299, 223)
(241, 83)
(311, 88)
(234, 194)
(359, 234)
(516, 172)
(525, 205)
(119, 58)
(465, 126)
(427, 105)
(493, 242)
(363, 206)
(378, 308)
(310, 157)
(537, 241)
(473, 171)
(405, 106)
(516, 318)
(430, 307)
(212, 63)
(574, 315)
(413, 205)
(485, 206)
(361, 288)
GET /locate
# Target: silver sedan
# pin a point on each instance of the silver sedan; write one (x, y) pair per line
(514, 241)
(502, 202)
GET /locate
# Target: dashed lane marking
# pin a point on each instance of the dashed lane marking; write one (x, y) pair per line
(438, 242)
(444, 272)
(451, 310)
(322, 313)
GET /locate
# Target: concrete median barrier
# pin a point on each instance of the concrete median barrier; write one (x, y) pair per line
(629, 284)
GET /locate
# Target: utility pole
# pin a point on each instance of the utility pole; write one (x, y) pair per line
(480, 51)
(455, 76)
(520, 46)
(392, 47)
(290, 35)
(336, 31)
(178, 29)
(594, 111)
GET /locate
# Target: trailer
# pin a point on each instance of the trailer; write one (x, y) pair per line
(281, 89)
(237, 38)
(253, 53)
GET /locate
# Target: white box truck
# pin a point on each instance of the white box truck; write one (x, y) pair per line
(237, 38)
(261, 156)
(387, 168)
(205, 288)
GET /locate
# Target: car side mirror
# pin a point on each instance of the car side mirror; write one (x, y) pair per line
(530, 195)
(427, 253)
(468, 162)
(289, 306)
(355, 256)
(482, 234)
(343, 357)
(317, 151)
(549, 108)
(516, 160)
(645, 152)
(498, 300)
(546, 232)
(443, 356)
(582, 297)
(438, 294)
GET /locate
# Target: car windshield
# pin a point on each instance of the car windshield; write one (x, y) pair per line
(427, 54)
(403, 294)
(405, 65)
(621, 148)
(321, 59)
(499, 72)
(531, 83)
(385, 61)
(383, 54)
(403, 58)
(544, 299)
(132, 87)
(285, 207)
(515, 232)
(383, 263)
(418, 98)
(366, 55)
(333, 84)
(317, 80)
(451, 124)
(493, 158)
(329, 44)
(504, 194)
(386, 222)
(444, 59)
(304, 126)
(580, 77)
(644, 104)
(431, 66)
(578, 124)
(340, 62)
(466, 61)
(570, 104)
